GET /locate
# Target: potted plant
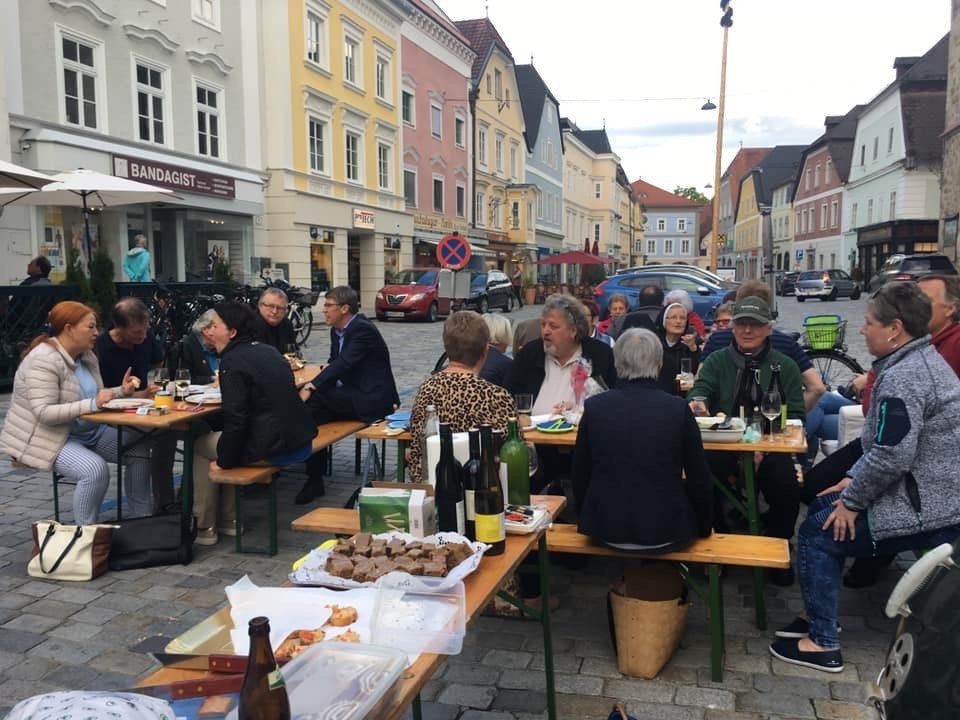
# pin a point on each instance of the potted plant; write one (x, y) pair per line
(529, 290)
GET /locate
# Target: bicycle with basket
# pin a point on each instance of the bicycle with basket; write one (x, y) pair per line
(823, 340)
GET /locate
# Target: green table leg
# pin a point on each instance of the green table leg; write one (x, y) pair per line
(544, 562)
(186, 476)
(717, 642)
(753, 518)
(401, 460)
(417, 710)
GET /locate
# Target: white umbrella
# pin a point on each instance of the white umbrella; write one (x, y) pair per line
(14, 176)
(85, 188)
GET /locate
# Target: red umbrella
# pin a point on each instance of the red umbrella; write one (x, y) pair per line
(573, 257)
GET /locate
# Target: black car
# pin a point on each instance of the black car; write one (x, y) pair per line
(787, 282)
(912, 267)
(491, 289)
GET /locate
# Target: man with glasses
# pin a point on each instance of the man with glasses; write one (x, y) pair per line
(275, 327)
(355, 384)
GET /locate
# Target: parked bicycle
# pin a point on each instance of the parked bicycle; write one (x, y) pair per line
(300, 302)
(822, 339)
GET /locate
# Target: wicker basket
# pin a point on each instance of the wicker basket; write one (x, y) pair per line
(824, 331)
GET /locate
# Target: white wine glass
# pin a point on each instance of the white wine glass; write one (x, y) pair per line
(770, 408)
(182, 381)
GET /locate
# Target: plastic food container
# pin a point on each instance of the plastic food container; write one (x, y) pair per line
(341, 681)
(413, 615)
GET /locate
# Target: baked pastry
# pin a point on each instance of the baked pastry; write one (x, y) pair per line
(342, 615)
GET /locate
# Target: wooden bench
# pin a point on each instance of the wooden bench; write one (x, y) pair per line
(754, 551)
(263, 474)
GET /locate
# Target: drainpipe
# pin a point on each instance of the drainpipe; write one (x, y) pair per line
(472, 94)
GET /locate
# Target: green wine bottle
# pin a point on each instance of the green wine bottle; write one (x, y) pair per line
(515, 455)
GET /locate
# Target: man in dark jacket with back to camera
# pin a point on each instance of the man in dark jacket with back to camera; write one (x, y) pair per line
(355, 384)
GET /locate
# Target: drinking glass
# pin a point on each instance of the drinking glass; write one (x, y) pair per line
(686, 366)
(770, 407)
(524, 403)
(159, 377)
(182, 381)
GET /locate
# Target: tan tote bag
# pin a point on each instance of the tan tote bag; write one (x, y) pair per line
(69, 552)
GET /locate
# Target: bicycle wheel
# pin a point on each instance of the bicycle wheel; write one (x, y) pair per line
(301, 317)
(836, 368)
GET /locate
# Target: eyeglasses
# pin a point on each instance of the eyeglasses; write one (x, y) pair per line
(333, 304)
(274, 308)
(725, 322)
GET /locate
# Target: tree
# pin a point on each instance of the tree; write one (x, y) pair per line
(77, 276)
(691, 193)
(101, 282)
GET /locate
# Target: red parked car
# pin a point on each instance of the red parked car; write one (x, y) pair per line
(412, 296)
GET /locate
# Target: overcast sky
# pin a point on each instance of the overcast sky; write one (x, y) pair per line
(646, 66)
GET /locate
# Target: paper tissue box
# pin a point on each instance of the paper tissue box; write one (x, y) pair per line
(393, 509)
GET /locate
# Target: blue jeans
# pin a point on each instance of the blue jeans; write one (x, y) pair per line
(823, 421)
(820, 563)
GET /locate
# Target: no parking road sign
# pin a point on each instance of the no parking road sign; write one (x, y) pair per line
(453, 252)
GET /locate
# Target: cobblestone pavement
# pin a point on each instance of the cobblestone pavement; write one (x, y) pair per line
(86, 635)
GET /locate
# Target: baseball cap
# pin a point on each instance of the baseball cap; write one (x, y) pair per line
(752, 307)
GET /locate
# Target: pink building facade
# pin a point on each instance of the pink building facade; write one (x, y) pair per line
(817, 212)
(435, 77)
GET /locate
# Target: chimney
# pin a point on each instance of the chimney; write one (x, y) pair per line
(903, 64)
(832, 121)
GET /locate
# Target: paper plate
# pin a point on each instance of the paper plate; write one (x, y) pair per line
(403, 417)
(555, 426)
(208, 398)
(128, 403)
(399, 424)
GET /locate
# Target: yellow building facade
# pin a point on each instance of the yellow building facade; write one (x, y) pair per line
(332, 141)
(747, 236)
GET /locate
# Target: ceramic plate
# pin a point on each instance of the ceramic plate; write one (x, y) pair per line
(555, 426)
(207, 398)
(128, 403)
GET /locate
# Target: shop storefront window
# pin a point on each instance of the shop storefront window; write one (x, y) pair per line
(321, 261)
(211, 239)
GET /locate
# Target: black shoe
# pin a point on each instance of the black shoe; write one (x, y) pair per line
(781, 578)
(866, 571)
(789, 651)
(312, 488)
(800, 627)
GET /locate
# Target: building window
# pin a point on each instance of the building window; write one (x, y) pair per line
(497, 215)
(668, 247)
(661, 225)
(806, 180)
(681, 224)
(79, 82)
(436, 121)
(461, 200)
(870, 211)
(151, 98)
(816, 176)
(497, 84)
(515, 215)
(407, 108)
(437, 194)
(489, 86)
(596, 190)
(316, 39)
(540, 202)
(823, 216)
(893, 205)
(853, 215)
(351, 61)
(596, 232)
(513, 162)
(796, 222)
(383, 166)
(383, 78)
(410, 187)
(684, 246)
(651, 247)
(863, 155)
(482, 147)
(460, 131)
(352, 157)
(316, 139)
(208, 121)
(498, 152)
(478, 208)
(890, 140)
(827, 172)
(834, 213)
(876, 147)
(207, 12)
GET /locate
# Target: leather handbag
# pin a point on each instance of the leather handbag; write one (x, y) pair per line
(153, 541)
(69, 552)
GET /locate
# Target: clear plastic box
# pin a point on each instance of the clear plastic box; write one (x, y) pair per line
(413, 615)
(342, 681)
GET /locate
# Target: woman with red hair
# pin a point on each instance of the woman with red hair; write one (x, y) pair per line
(57, 382)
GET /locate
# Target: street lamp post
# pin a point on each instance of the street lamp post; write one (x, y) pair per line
(726, 22)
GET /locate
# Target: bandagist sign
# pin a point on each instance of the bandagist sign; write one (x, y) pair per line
(175, 177)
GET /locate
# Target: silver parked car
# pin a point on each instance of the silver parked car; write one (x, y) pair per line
(826, 285)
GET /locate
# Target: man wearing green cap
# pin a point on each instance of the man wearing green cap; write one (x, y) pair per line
(723, 382)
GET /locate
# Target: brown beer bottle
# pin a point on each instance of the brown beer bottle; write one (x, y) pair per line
(263, 695)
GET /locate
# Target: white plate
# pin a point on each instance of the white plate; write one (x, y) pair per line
(128, 403)
(208, 398)
(194, 389)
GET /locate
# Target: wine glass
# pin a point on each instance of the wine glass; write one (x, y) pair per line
(770, 407)
(182, 381)
(159, 377)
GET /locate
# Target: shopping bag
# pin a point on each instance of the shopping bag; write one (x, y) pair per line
(153, 541)
(69, 552)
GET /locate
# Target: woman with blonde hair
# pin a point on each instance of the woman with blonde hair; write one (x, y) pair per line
(58, 382)
(497, 364)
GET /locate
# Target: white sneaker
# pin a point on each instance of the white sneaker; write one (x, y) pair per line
(207, 536)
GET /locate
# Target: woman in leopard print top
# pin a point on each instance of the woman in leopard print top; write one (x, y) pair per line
(461, 397)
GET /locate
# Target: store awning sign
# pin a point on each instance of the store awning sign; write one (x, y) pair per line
(364, 219)
(175, 177)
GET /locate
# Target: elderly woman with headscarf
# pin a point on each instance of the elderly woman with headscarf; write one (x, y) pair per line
(636, 425)
(683, 297)
(679, 343)
(902, 494)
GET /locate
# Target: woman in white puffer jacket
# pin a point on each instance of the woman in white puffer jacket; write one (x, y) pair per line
(57, 382)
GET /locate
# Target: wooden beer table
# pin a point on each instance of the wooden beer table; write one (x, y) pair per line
(480, 586)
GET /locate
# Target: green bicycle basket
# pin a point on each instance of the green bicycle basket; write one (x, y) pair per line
(822, 330)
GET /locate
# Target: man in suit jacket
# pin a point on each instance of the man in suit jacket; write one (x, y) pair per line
(355, 384)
